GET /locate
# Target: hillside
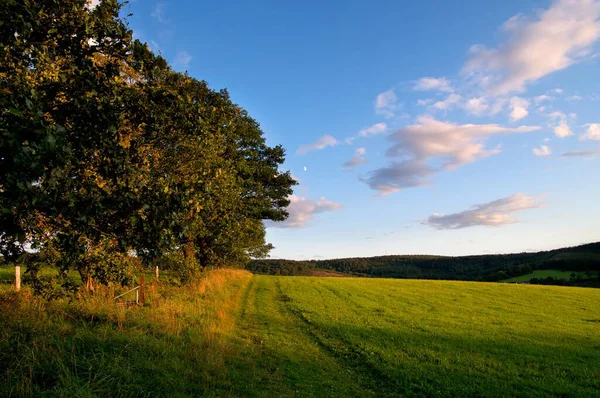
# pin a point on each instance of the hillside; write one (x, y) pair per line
(236, 334)
(471, 268)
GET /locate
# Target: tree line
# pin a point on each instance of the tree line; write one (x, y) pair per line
(108, 154)
(491, 268)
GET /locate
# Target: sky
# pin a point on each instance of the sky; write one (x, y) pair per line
(423, 127)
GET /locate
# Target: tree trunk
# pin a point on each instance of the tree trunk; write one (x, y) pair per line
(189, 254)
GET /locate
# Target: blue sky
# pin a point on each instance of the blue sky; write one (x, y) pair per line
(434, 127)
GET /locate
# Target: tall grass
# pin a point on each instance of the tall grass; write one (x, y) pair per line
(177, 341)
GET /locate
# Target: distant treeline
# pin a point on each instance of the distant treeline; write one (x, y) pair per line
(475, 268)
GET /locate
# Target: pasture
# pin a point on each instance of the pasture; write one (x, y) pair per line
(237, 334)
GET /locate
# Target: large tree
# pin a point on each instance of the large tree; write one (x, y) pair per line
(106, 150)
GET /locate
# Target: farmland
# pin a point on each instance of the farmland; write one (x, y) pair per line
(237, 334)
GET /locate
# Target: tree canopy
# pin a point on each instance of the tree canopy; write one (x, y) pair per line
(106, 151)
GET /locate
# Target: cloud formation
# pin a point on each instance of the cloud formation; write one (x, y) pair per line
(302, 211)
(561, 129)
(559, 37)
(433, 83)
(542, 151)
(593, 132)
(357, 159)
(386, 104)
(581, 153)
(492, 214)
(541, 98)
(477, 106)
(518, 108)
(430, 142)
(377, 128)
(449, 102)
(158, 12)
(322, 143)
(182, 59)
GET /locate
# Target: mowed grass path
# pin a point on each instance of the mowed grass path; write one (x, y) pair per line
(382, 337)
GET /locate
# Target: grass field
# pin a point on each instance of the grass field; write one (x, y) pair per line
(547, 273)
(237, 334)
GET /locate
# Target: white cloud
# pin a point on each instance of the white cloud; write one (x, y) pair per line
(377, 128)
(182, 59)
(592, 133)
(433, 83)
(557, 115)
(477, 106)
(424, 102)
(491, 214)
(562, 130)
(433, 141)
(448, 103)
(159, 12)
(357, 159)
(386, 104)
(302, 211)
(559, 37)
(558, 91)
(518, 107)
(498, 105)
(542, 98)
(542, 151)
(322, 143)
(575, 98)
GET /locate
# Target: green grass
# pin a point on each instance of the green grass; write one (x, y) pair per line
(237, 334)
(7, 274)
(546, 273)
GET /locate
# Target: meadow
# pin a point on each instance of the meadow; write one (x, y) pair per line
(233, 333)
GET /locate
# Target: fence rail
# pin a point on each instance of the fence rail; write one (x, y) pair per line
(139, 292)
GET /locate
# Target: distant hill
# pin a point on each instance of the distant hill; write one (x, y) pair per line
(474, 268)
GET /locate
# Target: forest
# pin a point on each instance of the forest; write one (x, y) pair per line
(489, 268)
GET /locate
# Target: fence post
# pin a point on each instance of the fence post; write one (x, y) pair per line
(157, 273)
(142, 295)
(17, 278)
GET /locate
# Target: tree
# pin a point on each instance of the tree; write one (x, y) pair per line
(106, 151)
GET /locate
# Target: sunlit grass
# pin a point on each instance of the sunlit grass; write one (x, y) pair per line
(234, 334)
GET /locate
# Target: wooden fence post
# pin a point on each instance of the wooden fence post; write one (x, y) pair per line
(157, 273)
(17, 278)
(142, 295)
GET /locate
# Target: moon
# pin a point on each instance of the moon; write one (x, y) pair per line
(304, 168)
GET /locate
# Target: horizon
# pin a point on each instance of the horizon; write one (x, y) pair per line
(427, 128)
(434, 255)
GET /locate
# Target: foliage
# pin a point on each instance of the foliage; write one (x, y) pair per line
(280, 267)
(107, 151)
